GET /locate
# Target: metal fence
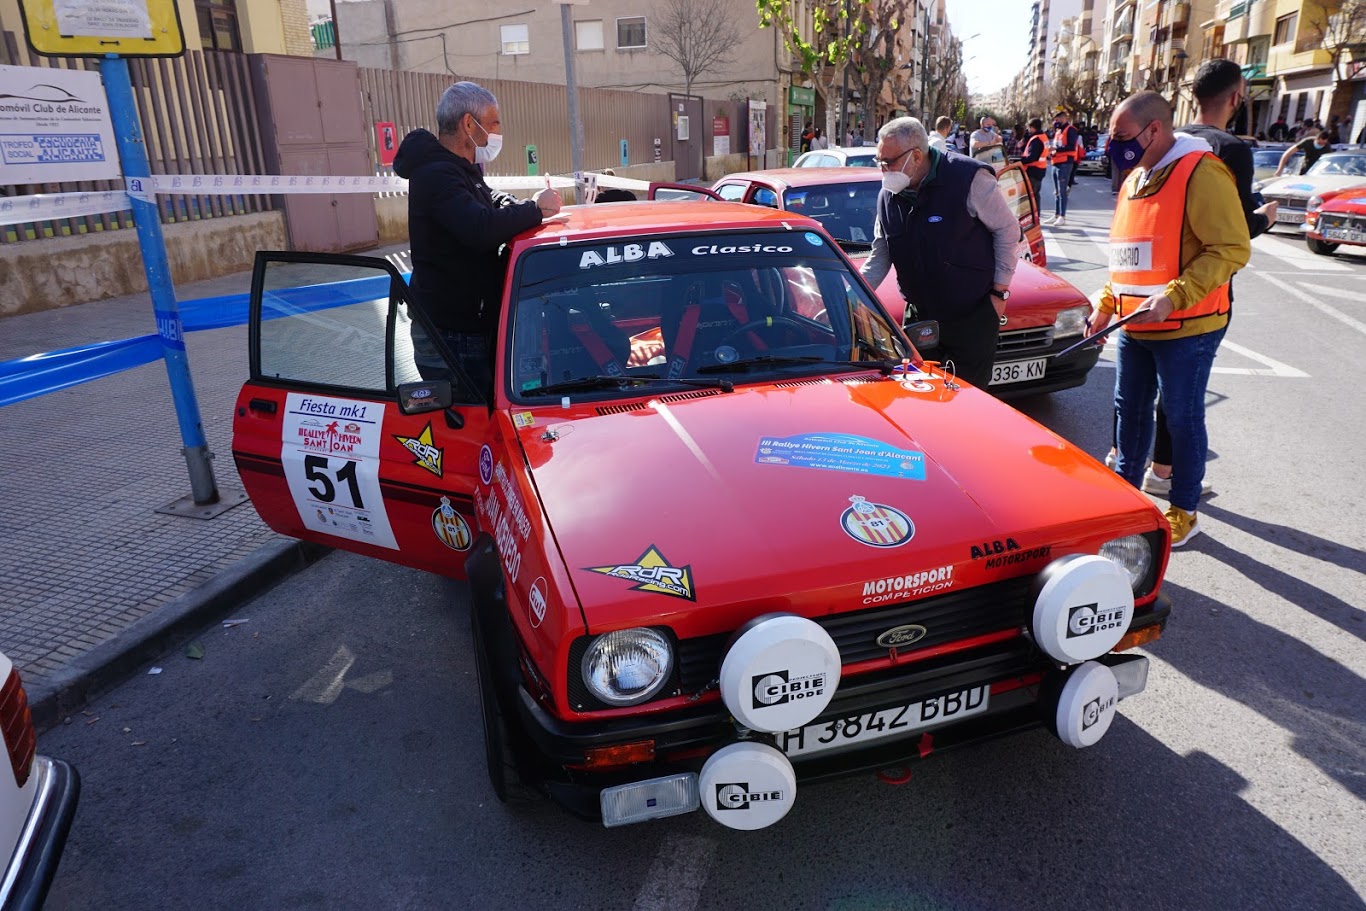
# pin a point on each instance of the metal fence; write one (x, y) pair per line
(533, 114)
(198, 116)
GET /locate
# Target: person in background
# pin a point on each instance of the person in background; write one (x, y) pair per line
(984, 138)
(945, 224)
(939, 138)
(1177, 237)
(1305, 130)
(1065, 150)
(807, 135)
(456, 225)
(818, 141)
(1035, 158)
(1280, 130)
(1313, 147)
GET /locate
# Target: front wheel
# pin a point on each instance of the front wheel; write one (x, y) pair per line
(503, 751)
(1321, 247)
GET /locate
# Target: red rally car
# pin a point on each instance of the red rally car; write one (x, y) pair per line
(1336, 217)
(724, 530)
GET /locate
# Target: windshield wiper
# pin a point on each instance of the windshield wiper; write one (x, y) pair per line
(621, 382)
(772, 360)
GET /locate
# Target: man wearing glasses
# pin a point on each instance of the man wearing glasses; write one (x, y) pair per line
(945, 225)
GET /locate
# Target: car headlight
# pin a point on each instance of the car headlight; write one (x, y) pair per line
(1259, 185)
(1315, 202)
(629, 666)
(1071, 321)
(1133, 554)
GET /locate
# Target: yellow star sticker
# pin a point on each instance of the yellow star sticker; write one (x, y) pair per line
(424, 453)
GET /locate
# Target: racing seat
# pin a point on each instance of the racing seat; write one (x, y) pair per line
(700, 319)
(579, 340)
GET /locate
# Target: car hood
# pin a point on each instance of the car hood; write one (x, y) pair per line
(1307, 186)
(1352, 199)
(725, 490)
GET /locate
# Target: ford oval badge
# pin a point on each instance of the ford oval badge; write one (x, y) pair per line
(902, 636)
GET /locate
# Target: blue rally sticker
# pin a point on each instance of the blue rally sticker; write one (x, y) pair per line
(841, 452)
(813, 239)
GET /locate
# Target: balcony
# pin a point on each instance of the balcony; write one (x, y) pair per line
(1284, 58)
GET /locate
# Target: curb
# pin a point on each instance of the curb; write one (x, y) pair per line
(112, 662)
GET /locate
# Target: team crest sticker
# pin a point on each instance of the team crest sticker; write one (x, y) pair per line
(876, 524)
(653, 573)
(424, 453)
(451, 527)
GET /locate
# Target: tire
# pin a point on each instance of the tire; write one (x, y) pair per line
(504, 749)
(1321, 247)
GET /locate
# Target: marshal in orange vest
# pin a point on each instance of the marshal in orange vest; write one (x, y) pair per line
(1145, 248)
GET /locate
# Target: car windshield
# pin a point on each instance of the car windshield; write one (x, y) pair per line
(1340, 164)
(860, 159)
(604, 318)
(846, 210)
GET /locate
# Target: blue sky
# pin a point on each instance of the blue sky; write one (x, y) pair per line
(1002, 29)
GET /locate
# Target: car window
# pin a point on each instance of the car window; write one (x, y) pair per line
(1349, 165)
(732, 192)
(686, 306)
(763, 196)
(845, 210)
(859, 160)
(1016, 189)
(345, 326)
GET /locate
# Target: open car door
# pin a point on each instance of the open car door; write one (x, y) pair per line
(1019, 194)
(674, 192)
(356, 429)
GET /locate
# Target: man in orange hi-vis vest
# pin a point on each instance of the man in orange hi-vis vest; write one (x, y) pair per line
(1177, 237)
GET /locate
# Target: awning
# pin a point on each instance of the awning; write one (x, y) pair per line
(1254, 71)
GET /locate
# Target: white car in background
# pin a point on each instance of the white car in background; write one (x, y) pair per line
(37, 802)
(838, 157)
(1334, 171)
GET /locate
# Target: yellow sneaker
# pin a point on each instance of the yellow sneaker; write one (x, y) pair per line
(1184, 525)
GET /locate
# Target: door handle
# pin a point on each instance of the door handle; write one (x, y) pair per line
(265, 405)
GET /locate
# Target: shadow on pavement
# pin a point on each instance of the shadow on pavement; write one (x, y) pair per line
(1295, 539)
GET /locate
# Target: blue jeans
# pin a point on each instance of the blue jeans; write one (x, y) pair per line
(1180, 370)
(1062, 176)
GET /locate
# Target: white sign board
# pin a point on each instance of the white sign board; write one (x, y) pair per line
(54, 127)
(103, 18)
(758, 128)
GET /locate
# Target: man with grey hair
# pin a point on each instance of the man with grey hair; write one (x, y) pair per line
(943, 221)
(985, 138)
(456, 225)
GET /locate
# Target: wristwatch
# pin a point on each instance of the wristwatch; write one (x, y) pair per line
(1003, 295)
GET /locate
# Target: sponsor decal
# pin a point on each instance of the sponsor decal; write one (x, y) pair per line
(627, 253)
(1000, 553)
(876, 524)
(1096, 709)
(450, 527)
(841, 452)
(535, 601)
(714, 250)
(911, 585)
(418, 395)
(523, 419)
(813, 239)
(1085, 619)
(424, 453)
(994, 547)
(504, 515)
(736, 795)
(653, 573)
(486, 464)
(779, 688)
(902, 636)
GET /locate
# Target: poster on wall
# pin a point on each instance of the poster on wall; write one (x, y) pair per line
(54, 127)
(720, 135)
(758, 128)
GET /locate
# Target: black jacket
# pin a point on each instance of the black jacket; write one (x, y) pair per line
(1237, 155)
(456, 225)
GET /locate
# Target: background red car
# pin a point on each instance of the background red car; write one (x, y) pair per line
(1336, 217)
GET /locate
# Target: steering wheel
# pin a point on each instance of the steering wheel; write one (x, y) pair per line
(766, 323)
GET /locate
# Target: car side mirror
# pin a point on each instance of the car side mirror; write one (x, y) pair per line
(924, 334)
(419, 398)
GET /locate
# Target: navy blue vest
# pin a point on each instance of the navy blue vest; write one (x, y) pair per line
(945, 263)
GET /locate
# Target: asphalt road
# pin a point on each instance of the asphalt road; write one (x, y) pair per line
(326, 753)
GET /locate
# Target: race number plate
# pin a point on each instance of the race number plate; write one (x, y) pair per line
(1018, 371)
(894, 722)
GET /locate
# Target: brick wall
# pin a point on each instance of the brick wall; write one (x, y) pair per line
(294, 15)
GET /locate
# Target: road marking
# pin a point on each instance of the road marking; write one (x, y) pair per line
(1273, 366)
(325, 686)
(1297, 255)
(678, 874)
(1334, 312)
(1053, 249)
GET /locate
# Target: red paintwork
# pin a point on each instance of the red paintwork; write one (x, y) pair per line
(1342, 201)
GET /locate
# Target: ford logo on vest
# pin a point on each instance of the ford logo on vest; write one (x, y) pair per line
(935, 218)
(902, 636)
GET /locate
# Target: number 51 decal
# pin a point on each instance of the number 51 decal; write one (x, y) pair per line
(316, 468)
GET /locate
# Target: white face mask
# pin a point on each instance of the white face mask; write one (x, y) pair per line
(486, 153)
(896, 181)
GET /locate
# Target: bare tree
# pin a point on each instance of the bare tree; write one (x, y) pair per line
(1071, 90)
(698, 35)
(1338, 28)
(874, 58)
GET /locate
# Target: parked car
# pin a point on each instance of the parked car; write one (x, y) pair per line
(1095, 162)
(1336, 217)
(1333, 171)
(1044, 316)
(38, 798)
(838, 157)
(724, 531)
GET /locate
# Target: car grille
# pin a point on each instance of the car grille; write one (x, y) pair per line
(1019, 340)
(1342, 221)
(1287, 201)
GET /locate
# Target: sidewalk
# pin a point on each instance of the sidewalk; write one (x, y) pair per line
(85, 557)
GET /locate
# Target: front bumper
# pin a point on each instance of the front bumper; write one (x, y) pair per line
(34, 863)
(1060, 373)
(1016, 670)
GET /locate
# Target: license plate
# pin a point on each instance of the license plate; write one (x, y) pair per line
(879, 725)
(1018, 371)
(1345, 234)
(1293, 217)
